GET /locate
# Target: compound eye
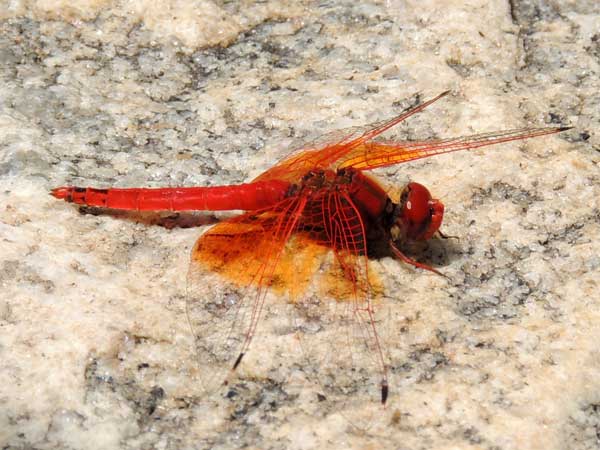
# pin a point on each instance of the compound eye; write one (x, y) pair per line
(415, 207)
(420, 215)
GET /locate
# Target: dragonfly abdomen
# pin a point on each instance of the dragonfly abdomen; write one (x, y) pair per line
(250, 196)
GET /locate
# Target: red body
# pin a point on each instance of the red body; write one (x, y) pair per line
(323, 193)
(213, 198)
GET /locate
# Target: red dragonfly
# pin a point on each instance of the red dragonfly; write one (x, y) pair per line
(315, 203)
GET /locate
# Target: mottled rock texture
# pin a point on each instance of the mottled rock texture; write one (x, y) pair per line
(95, 351)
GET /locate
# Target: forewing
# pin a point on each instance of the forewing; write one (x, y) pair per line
(337, 318)
(326, 151)
(232, 266)
(371, 155)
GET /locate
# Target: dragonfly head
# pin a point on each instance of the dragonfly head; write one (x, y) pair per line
(417, 216)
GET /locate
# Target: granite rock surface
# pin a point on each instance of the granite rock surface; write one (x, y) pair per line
(95, 348)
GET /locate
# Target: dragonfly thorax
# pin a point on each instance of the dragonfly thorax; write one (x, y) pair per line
(318, 182)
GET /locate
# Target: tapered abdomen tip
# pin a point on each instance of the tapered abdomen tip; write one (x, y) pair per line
(61, 193)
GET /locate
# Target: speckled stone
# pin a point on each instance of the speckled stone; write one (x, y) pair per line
(95, 349)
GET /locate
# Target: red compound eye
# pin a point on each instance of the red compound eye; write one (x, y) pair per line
(420, 215)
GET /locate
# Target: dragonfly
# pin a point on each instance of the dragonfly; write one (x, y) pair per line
(315, 215)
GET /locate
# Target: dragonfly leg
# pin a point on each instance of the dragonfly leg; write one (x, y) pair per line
(446, 236)
(401, 256)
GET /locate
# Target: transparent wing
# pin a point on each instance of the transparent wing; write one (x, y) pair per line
(373, 154)
(337, 319)
(232, 266)
(237, 261)
(326, 151)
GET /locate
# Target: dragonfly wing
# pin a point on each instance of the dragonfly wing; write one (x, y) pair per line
(232, 267)
(328, 149)
(373, 154)
(337, 319)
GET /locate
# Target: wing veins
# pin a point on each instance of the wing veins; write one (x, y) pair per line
(383, 153)
(294, 166)
(289, 222)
